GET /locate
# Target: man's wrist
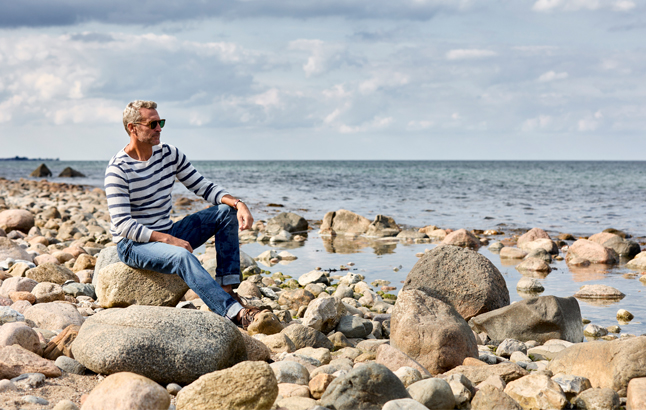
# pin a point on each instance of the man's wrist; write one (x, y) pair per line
(235, 204)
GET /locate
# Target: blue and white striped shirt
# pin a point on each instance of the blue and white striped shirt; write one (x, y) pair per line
(139, 192)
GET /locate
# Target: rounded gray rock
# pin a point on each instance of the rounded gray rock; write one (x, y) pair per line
(69, 365)
(166, 345)
(460, 277)
(369, 386)
(433, 393)
(354, 327)
(290, 372)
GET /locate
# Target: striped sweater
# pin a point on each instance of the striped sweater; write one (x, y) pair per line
(139, 192)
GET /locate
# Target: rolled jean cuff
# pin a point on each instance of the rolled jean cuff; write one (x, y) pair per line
(233, 311)
(225, 280)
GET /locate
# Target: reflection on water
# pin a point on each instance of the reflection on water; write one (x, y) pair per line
(599, 302)
(589, 273)
(376, 260)
(347, 245)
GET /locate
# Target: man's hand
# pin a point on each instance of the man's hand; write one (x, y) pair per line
(171, 240)
(245, 220)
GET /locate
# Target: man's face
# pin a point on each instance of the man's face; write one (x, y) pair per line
(143, 132)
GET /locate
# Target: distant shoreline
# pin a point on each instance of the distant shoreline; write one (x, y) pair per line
(17, 158)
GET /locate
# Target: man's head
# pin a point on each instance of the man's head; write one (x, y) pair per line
(138, 120)
(132, 112)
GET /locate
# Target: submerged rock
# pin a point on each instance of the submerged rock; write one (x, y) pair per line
(41, 171)
(69, 172)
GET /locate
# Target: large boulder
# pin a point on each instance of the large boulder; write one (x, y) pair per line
(9, 249)
(592, 251)
(247, 385)
(366, 387)
(460, 277)
(606, 364)
(431, 332)
(126, 391)
(541, 319)
(16, 220)
(462, 238)
(50, 272)
(163, 344)
(119, 285)
(343, 221)
(287, 221)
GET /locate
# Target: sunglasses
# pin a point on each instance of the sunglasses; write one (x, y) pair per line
(153, 124)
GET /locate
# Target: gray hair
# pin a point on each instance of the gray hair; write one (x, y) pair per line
(131, 113)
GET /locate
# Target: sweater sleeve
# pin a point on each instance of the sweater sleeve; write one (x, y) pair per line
(192, 180)
(118, 195)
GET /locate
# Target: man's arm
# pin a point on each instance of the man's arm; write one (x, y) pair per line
(171, 240)
(245, 220)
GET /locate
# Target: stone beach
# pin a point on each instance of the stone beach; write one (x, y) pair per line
(81, 330)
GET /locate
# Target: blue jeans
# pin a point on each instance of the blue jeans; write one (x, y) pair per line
(196, 229)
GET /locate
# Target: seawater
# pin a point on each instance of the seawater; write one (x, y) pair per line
(581, 198)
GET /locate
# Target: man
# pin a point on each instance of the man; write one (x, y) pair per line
(139, 182)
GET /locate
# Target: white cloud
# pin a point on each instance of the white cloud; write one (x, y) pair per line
(337, 91)
(375, 124)
(538, 123)
(624, 5)
(419, 125)
(268, 99)
(51, 77)
(591, 122)
(576, 5)
(552, 76)
(90, 110)
(323, 56)
(383, 79)
(464, 54)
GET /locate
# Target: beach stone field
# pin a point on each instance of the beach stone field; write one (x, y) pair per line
(81, 330)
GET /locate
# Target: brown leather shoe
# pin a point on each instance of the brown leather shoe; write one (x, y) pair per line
(246, 316)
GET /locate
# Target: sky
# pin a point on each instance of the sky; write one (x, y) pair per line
(328, 79)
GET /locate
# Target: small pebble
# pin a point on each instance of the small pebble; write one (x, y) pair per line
(7, 385)
(173, 388)
(624, 315)
(35, 400)
(66, 405)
